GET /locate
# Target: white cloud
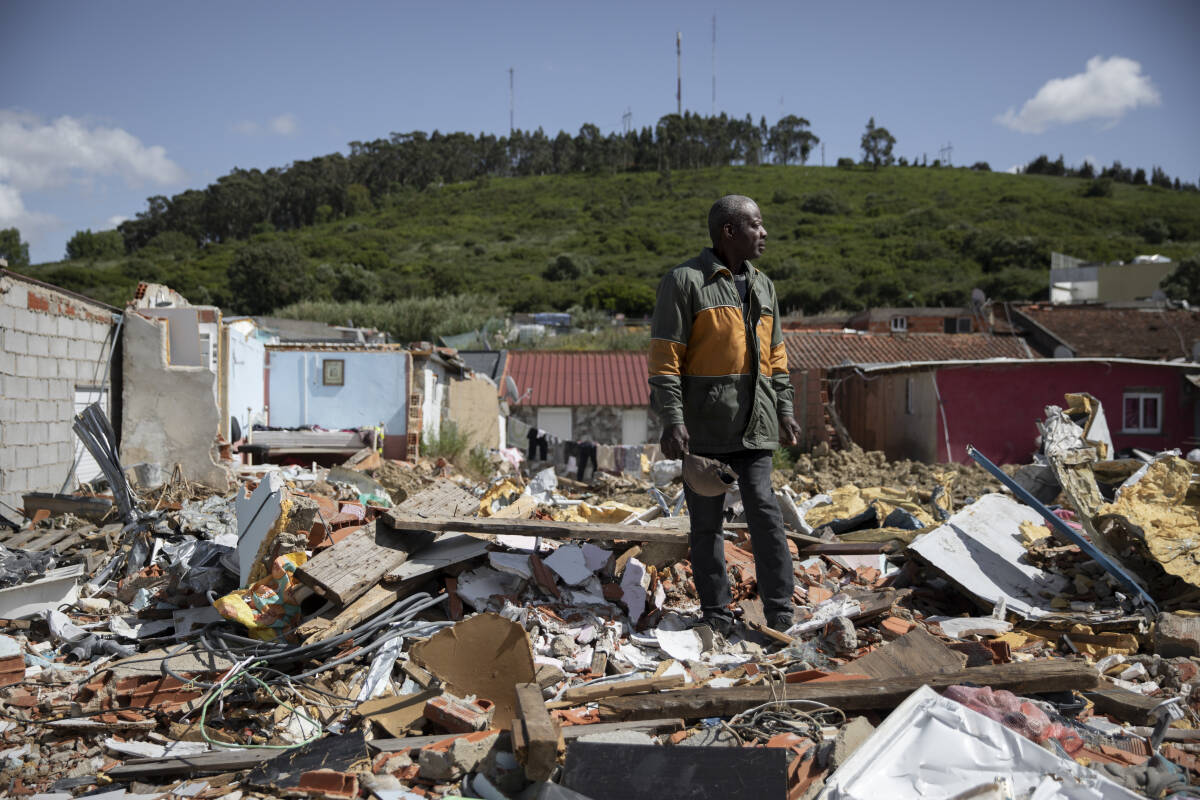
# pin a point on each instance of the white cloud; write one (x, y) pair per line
(113, 221)
(1106, 90)
(285, 124)
(13, 214)
(35, 154)
(282, 125)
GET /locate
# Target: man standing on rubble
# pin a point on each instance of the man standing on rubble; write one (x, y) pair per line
(719, 383)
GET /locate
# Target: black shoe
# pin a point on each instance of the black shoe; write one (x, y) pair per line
(720, 624)
(780, 622)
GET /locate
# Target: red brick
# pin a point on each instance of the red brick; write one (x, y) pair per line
(329, 783)
(38, 303)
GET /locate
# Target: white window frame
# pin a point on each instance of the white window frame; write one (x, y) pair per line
(899, 324)
(1140, 397)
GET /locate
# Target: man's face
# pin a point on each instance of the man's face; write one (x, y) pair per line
(749, 236)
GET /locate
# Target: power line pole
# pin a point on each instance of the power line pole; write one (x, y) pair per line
(512, 102)
(679, 73)
(946, 153)
(714, 67)
(627, 119)
(822, 154)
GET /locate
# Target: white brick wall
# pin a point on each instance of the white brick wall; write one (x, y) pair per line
(44, 354)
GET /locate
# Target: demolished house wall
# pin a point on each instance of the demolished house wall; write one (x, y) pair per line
(990, 405)
(246, 382)
(170, 411)
(373, 388)
(474, 405)
(52, 349)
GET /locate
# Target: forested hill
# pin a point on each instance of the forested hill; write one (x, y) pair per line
(844, 237)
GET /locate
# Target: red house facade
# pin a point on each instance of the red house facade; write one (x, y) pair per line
(931, 411)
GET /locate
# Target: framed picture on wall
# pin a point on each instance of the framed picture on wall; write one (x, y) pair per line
(333, 372)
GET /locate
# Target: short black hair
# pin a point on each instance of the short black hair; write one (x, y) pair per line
(730, 208)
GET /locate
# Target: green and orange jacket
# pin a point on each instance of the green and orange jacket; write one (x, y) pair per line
(720, 372)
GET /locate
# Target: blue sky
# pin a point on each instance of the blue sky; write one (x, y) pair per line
(105, 103)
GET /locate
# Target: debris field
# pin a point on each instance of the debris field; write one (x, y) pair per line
(401, 630)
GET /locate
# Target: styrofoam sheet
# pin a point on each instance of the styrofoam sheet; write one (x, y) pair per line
(934, 747)
(980, 549)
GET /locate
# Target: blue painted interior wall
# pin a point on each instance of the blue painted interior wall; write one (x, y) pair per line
(375, 390)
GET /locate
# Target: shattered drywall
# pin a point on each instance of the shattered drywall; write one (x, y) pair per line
(169, 412)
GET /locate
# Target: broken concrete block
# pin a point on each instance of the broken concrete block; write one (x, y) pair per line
(1177, 635)
(450, 760)
(849, 739)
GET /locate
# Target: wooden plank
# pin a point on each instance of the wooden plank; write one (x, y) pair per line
(344, 572)
(653, 727)
(202, 763)
(449, 549)
(852, 695)
(50, 539)
(917, 652)
(1123, 704)
(376, 599)
(537, 741)
(443, 498)
(586, 694)
(547, 529)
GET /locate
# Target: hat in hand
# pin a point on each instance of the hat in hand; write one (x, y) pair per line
(707, 476)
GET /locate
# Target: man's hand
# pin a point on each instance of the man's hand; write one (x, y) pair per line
(674, 441)
(789, 431)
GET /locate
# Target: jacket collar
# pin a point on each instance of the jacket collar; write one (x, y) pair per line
(712, 266)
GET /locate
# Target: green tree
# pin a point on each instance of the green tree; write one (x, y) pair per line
(101, 245)
(265, 276)
(877, 145)
(564, 268)
(13, 250)
(790, 139)
(1184, 282)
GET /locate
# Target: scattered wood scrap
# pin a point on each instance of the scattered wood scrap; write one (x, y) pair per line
(547, 529)
(917, 652)
(852, 695)
(537, 741)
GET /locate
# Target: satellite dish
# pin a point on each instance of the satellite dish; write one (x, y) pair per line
(978, 298)
(510, 388)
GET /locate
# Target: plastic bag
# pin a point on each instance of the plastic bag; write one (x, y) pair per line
(1017, 714)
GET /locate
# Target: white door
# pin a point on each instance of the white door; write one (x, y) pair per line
(87, 469)
(556, 422)
(633, 426)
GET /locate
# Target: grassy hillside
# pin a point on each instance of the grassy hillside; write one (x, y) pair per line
(844, 238)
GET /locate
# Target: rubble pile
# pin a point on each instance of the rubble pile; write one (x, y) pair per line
(825, 469)
(399, 630)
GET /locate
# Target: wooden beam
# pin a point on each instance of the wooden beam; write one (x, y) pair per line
(547, 529)
(586, 694)
(1123, 704)
(201, 763)
(852, 695)
(345, 571)
(537, 740)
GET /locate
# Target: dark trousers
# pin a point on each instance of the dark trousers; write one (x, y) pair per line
(772, 561)
(537, 448)
(587, 452)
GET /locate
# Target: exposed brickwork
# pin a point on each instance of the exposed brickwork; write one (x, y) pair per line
(50, 342)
